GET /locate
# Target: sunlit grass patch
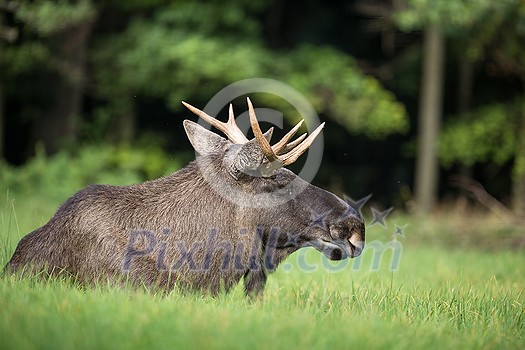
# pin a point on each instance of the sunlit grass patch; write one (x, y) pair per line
(437, 296)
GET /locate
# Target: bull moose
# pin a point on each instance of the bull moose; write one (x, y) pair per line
(234, 212)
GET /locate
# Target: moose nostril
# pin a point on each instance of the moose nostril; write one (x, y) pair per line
(357, 246)
(356, 251)
(336, 254)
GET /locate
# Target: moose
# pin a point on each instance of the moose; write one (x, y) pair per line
(233, 213)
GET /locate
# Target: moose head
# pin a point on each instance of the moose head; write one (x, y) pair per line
(252, 174)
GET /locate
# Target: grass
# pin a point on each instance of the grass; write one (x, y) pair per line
(442, 295)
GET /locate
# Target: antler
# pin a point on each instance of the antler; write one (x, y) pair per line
(283, 152)
(229, 128)
(293, 149)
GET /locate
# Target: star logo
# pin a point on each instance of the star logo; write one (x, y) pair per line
(356, 205)
(399, 232)
(318, 220)
(350, 212)
(380, 216)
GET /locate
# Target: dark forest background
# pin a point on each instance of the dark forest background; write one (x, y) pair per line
(424, 100)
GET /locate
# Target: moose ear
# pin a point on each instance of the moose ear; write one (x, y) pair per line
(203, 141)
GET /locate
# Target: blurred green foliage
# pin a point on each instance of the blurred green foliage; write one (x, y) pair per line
(188, 50)
(178, 53)
(493, 31)
(333, 84)
(451, 15)
(59, 176)
(51, 17)
(486, 134)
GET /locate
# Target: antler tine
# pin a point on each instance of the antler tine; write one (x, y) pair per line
(295, 153)
(296, 148)
(230, 128)
(231, 116)
(261, 140)
(292, 144)
(279, 146)
(233, 126)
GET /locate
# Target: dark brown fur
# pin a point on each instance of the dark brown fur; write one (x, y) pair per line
(180, 230)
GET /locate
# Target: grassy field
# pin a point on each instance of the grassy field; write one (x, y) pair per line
(452, 283)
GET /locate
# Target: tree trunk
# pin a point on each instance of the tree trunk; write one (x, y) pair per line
(58, 126)
(430, 109)
(518, 176)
